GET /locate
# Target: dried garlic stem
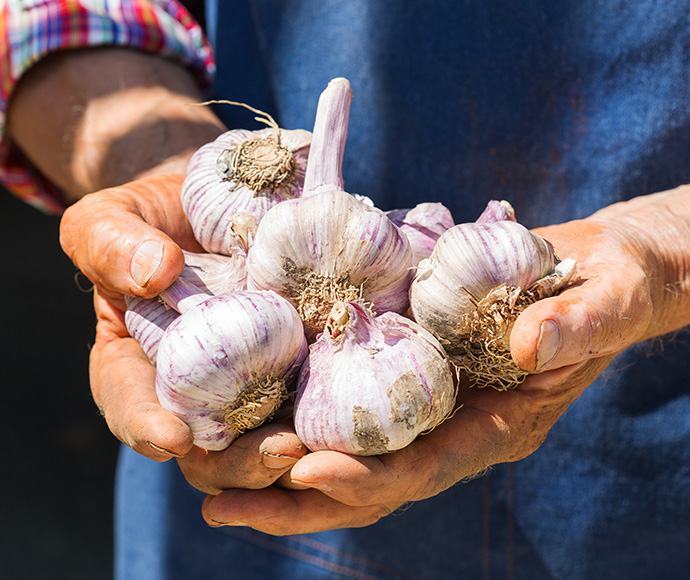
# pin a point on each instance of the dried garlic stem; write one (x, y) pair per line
(324, 166)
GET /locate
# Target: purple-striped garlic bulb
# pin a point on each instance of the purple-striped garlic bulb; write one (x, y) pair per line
(233, 181)
(229, 362)
(147, 318)
(371, 385)
(474, 285)
(423, 225)
(329, 246)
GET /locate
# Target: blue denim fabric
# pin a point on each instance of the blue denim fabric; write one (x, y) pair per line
(560, 107)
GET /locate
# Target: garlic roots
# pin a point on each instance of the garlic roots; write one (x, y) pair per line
(371, 385)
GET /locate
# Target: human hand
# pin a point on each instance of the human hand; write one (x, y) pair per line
(127, 240)
(618, 298)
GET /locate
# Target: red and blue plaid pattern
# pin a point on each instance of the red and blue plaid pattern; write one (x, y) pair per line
(31, 29)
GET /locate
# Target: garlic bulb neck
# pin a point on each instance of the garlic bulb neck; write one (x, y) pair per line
(324, 167)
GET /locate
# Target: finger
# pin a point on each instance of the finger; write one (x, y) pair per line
(255, 460)
(116, 236)
(280, 512)
(406, 475)
(607, 308)
(123, 387)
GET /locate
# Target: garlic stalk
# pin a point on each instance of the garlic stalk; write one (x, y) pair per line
(423, 225)
(233, 181)
(328, 246)
(371, 385)
(227, 364)
(211, 274)
(476, 282)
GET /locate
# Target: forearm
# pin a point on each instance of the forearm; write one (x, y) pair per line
(94, 118)
(657, 229)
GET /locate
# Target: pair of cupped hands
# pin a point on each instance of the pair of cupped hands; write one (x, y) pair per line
(127, 240)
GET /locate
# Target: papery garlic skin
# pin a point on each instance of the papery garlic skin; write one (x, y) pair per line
(223, 208)
(215, 273)
(211, 274)
(469, 292)
(330, 247)
(371, 386)
(146, 320)
(423, 226)
(228, 364)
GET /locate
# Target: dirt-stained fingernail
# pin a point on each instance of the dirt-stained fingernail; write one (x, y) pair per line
(549, 343)
(319, 486)
(145, 262)
(276, 461)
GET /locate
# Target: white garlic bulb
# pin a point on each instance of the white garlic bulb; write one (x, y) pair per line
(471, 289)
(227, 364)
(233, 181)
(328, 248)
(371, 385)
(423, 225)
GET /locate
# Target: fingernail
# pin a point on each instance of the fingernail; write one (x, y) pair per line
(146, 260)
(162, 449)
(217, 524)
(276, 461)
(319, 486)
(548, 344)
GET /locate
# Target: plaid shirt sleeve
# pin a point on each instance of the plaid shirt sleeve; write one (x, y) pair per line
(31, 29)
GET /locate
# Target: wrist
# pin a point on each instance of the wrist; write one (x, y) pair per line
(95, 118)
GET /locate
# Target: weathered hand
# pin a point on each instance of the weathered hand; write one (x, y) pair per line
(117, 239)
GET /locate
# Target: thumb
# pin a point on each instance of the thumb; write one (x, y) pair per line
(126, 239)
(600, 316)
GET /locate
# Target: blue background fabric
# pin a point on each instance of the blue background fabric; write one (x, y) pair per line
(559, 107)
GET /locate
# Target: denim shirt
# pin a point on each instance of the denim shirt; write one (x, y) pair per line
(559, 107)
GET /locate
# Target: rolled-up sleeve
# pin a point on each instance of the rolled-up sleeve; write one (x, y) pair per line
(32, 29)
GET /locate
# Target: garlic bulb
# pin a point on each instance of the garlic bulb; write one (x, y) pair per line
(329, 248)
(211, 274)
(423, 225)
(479, 277)
(227, 364)
(371, 385)
(233, 181)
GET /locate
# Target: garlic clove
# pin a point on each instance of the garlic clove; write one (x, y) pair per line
(233, 181)
(476, 282)
(371, 385)
(227, 365)
(329, 248)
